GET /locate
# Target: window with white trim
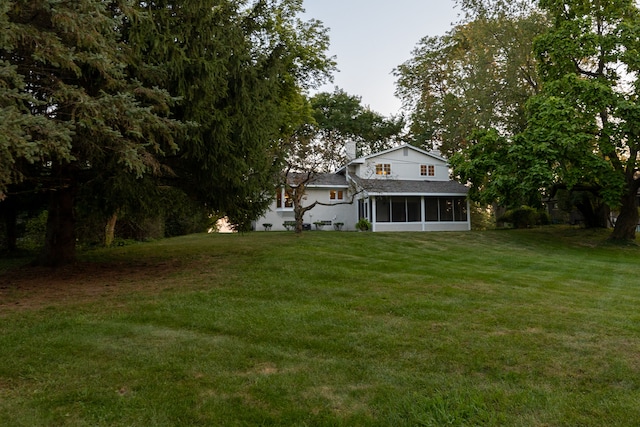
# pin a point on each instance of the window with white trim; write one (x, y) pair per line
(427, 170)
(383, 169)
(283, 201)
(336, 195)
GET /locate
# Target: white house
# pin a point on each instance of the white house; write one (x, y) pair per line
(400, 189)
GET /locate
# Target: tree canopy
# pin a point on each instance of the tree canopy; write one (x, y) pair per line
(478, 75)
(530, 100)
(73, 110)
(239, 71)
(194, 94)
(589, 64)
(340, 117)
(329, 122)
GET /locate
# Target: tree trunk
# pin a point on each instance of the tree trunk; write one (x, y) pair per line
(299, 216)
(110, 229)
(625, 228)
(299, 212)
(594, 216)
(603, 215)
(60, 241)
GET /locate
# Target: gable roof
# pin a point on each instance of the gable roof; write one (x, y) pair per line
(399, 147)
(363, 159)
(381, 187)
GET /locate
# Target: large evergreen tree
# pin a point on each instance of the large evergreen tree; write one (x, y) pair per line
(72, 109)
(238, 69)
(192, 93)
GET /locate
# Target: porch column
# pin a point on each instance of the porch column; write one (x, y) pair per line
(423, 214)
(373, 213)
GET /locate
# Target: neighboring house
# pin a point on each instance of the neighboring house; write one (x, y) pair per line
(400, 189)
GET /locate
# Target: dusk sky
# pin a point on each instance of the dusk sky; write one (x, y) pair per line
(372, 37)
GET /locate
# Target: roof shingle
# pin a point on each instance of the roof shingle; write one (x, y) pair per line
(392, 186)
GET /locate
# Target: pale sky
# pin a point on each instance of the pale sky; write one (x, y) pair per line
(369, 38)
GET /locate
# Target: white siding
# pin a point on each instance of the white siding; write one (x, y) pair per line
(345, 213)
(405, 162)
(403, 167)
(429, 226)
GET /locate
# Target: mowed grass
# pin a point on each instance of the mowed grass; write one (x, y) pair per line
(520, 328)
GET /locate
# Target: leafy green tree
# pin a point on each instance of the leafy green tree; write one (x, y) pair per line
(304, 159)
(589, 63)
(582, 131)
(477, 76)
(339, 117)
(328, 122)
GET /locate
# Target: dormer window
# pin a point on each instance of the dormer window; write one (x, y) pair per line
(427, 170)
(383, 169)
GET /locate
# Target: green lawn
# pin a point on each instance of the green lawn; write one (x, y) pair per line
(519, 328)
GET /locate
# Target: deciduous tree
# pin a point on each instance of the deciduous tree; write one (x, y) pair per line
(478, 75)
(589, 63)
(340, 117)
(328, 122)
(582, 131)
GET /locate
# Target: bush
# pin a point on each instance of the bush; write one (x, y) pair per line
(363, 224)
(525, 217)
(35, 231)
(482, 217)
(140, 227)
(544, 218)
(183, 215)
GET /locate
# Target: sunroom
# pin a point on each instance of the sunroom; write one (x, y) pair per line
(415, 206)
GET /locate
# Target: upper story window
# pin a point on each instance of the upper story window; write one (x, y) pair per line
(427, 170)
(383, 169)
(336, 195)
(283, 201)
